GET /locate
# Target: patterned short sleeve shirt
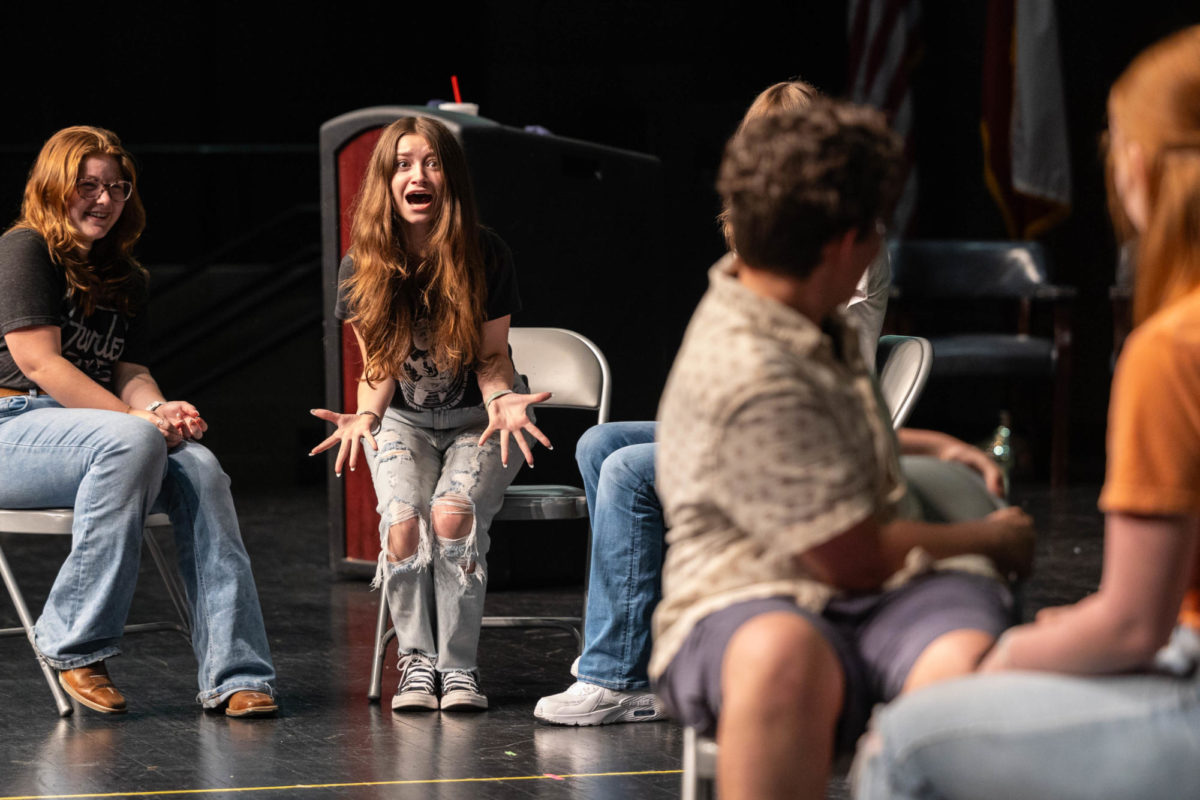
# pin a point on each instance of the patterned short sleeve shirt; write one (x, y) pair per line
(772, 440)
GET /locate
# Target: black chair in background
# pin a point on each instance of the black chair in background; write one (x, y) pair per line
(997, 286)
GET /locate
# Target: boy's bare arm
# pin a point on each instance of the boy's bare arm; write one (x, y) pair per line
(863, 557)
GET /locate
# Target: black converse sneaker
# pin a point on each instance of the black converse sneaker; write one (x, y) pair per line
(418, 685)
(460, 691)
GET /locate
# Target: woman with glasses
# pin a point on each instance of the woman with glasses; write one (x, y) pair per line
(429, 293)
(1101, 699)
(84, 425)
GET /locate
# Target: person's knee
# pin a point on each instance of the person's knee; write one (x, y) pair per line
(200, 462)
(143, 446)
(954, 653)
(780, 661)
(629, 469)
(592, 448)
(453, 516)
(403, 533)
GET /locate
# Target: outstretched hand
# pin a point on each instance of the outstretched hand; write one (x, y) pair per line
(351, 428)
(507, 414)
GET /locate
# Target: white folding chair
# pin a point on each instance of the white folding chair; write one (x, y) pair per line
(906, 361)
(57, 522)
(573, 368)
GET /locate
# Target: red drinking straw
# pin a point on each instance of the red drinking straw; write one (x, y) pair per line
(454, 84)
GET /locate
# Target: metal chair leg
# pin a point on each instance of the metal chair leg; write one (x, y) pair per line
(171, 579)
(382, 636)
(60, 697)
(699, 767)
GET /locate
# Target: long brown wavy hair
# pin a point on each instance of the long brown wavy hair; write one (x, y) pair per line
(108, 272)
(396, 281)
(1156, 104)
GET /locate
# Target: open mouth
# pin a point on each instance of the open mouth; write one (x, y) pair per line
(419, 198)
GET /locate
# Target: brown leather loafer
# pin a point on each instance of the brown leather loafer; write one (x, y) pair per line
(92, 687)
(250, 704)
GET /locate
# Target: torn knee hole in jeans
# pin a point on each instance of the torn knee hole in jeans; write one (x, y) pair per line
(462, 549)
(399, 512)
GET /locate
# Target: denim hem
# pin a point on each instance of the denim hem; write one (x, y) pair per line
(80, 661)
(447, 670)
(616, 686)
(433, 657)
(217, 697)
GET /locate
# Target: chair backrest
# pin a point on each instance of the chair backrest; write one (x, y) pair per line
(906, 363)
(950, 269)
(566, 363)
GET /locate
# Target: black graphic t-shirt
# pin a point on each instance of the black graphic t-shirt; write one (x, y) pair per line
(33, 291)
(423, 386)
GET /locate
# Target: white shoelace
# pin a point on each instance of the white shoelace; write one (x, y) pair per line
(418, 676)
(458, 681)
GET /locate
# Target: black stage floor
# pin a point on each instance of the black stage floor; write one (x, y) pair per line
(328, 742)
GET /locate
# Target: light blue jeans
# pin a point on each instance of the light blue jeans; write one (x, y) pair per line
(1037, 735)
(111, 468)
(617, 463)
(426, 461)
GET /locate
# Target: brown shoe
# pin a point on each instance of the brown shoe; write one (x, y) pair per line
(250, 704)
(92, 687)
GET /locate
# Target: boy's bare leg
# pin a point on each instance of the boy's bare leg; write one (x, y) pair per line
(948, 656)
(782, 688)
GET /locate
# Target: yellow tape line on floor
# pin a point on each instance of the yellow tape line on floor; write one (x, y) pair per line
(164, 792)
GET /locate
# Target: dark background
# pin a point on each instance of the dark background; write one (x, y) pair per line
(221, 103)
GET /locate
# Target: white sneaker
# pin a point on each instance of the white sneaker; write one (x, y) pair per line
(589, 704)
(418, 685)
(460, 692)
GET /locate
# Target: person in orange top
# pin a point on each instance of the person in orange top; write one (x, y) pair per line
(1102, 699)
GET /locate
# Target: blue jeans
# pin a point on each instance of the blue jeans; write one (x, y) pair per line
(111, 468)
(1029, 734)
(617, 463)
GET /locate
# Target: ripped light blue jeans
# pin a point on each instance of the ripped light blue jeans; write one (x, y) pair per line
(436, 594)
(113, 469)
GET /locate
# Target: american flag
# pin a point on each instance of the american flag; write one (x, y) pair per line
(885, 45)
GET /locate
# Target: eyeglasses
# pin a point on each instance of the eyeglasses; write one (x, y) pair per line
(90, 189)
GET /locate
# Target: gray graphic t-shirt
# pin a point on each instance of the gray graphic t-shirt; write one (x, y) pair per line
(33, 291)
(422, 385)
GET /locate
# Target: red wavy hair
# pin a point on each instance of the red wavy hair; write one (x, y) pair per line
(107, 272)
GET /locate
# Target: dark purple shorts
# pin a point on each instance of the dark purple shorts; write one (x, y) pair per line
(877, 639)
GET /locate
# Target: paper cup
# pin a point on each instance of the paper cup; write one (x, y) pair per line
(462, 108)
